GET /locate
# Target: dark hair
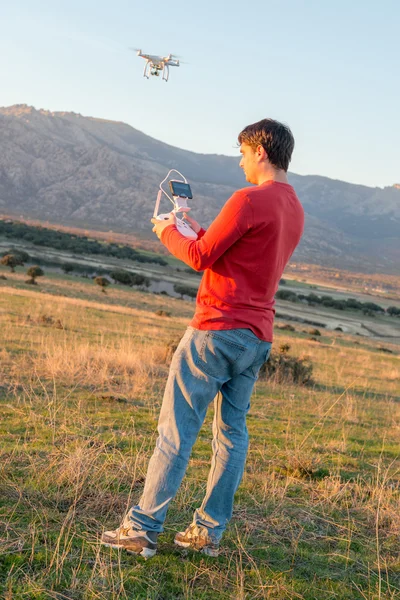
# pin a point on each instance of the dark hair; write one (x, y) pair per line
(276, 139)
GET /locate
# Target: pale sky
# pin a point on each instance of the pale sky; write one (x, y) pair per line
(328, 68)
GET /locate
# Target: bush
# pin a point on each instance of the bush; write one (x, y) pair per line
(139, 280)
(20, 254)
(282, 368)
(286, 295)
(102, 282)
(313, 298)
(170, 348)
(121, 276)
(185, 290)
(371, 306)
(129, 278)
(163, 313)
(33, 273)
(11, 261)
(383, 349)
(393, 311)
(46, 320)
(286, 327)
(314, 332)
(68, 268)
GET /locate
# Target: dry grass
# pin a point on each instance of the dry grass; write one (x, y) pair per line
(317, 514)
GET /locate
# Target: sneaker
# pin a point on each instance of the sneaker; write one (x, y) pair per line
(197, 537)
(135, 542)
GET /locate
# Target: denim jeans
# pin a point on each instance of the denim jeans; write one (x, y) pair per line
(207, 365)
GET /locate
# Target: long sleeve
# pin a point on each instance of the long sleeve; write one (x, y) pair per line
(234, 220)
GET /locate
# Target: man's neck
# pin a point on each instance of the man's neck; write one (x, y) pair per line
(278, 175)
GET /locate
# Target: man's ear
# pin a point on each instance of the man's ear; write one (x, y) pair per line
(261, 153)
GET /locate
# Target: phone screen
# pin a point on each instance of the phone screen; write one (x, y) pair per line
(181, 189)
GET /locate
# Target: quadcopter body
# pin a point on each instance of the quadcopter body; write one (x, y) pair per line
(158, 64)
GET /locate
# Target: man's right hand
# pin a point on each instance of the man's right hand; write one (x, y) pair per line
(193, 224)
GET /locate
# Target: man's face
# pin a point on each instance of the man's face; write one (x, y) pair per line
(249, 163)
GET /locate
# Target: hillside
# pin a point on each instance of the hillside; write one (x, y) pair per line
(68, 169)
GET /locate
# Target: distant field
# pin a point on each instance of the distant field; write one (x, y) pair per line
(317, 516)
(163, 277)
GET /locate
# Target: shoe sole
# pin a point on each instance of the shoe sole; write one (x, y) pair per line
(204, 550)
(145, 552)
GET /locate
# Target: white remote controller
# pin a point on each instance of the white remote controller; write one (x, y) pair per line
(183, 227)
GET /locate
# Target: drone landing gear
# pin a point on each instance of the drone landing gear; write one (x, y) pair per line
(165, 72)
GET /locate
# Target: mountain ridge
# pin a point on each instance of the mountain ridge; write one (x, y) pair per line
(90, 172)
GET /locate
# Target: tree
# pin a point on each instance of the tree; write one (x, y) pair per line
(121, 276)
(393, 311)
(68, 267)
(286, 295)
(102, 282)
(12, 261)
(34, 272)
(140, 280)
(185, 290)
(19, 254)
(372, 306)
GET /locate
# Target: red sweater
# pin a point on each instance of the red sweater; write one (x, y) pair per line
(243, 254)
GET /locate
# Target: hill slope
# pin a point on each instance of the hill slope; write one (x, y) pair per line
(69, 169)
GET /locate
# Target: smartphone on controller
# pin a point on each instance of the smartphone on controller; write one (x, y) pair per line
(180, 189)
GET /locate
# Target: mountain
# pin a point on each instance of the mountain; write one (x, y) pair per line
(73, 170)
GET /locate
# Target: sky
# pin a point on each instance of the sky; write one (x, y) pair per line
(327, 68)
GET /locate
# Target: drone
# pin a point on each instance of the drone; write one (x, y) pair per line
(157, 64)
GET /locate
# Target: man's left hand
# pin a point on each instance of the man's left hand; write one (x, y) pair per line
(159, 226)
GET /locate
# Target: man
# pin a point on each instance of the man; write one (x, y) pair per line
(243, 255)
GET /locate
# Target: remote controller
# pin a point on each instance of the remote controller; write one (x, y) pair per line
(181, 193)
(182, 226)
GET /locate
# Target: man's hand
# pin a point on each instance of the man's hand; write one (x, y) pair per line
(159, 226)
(193, 224)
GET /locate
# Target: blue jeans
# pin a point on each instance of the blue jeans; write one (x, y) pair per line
(207, 365)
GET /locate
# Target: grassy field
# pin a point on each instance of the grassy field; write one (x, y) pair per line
(317, 516)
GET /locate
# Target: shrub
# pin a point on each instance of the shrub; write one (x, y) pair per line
(313, 298)
(121, 276)
(383, 349)
(162, 313)
(393, 311)
(68, 267)
(102, 282)
(282, 368)
(372, 307)
(11, 261)
(286, 327)
(129, 278)
(170, 348)
(286, 295)
(314, 332)
(33, 273)
(185, 290)
(20, 254)
(138, 279)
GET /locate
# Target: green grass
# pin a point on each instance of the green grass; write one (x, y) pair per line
(316, 516)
